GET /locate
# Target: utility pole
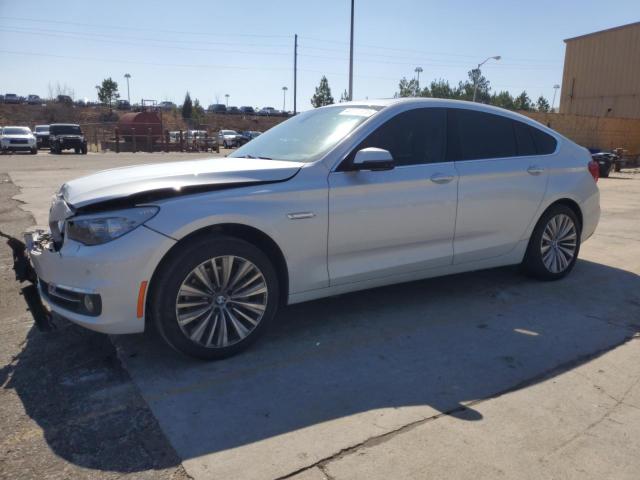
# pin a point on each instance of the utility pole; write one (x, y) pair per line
(295, 72)
(351, 57)
(128, 76)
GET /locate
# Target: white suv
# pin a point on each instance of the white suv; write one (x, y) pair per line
(17, 139)
(337, 199)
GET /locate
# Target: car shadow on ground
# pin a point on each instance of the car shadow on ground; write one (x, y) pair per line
(439, 343)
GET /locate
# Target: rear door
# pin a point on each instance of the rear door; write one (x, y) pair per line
(502, 182)
(397, 221)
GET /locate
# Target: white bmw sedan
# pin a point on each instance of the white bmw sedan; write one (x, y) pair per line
(336, 199)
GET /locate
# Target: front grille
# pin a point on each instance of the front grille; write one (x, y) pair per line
(68, 299)
(18, 141)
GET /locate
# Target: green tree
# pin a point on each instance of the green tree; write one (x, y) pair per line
(441, 89)
(344, 97)
(197, 113)
(408, 88)
(187, 107)
(503, 100)
(322, 96)
(108, 91)
(476, 80)
(523, 102)
(542, 105)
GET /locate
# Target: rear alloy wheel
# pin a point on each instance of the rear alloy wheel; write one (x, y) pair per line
(554, 245)
(215, 297)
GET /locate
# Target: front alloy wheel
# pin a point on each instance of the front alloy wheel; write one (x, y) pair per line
(213, 296)
(221, 301)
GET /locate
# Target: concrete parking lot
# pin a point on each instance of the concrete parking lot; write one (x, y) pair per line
(480, 375)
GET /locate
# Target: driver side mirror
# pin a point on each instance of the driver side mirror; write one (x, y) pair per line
(373, 159)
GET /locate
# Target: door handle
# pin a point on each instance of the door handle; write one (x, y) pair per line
(441, 178)
(535, 170)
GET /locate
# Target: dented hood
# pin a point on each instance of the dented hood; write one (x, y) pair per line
(120, 183)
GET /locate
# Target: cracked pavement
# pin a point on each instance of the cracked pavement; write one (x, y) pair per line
(480, 375)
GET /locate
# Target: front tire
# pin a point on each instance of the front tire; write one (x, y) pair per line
(554, 244)
(213, 297)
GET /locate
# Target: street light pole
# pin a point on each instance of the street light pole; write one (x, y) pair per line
(555, 90)
(128, 76)
(475, 80)
(226, 96)
(351, 56)
(284, 99)
(418, 70)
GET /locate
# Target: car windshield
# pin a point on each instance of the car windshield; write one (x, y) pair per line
(42, 129)
(66, 129)
(16, 131)
(308, 136)
(229, 132)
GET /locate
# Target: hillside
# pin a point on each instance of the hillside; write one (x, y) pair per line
(30, 115)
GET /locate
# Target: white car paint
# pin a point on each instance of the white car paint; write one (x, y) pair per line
(6, 138)
(338, 231)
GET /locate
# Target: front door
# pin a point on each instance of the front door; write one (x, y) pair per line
(383, 223)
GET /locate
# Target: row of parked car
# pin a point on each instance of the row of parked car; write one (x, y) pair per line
(15, 99)
(225, 138)
(56, 137)
(265, 111)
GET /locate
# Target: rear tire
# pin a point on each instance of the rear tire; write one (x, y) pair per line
(34, 151)
(554, 244)
(201, 314)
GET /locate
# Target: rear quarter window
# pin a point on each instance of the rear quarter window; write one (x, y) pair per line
(478, 135)
(545, 143)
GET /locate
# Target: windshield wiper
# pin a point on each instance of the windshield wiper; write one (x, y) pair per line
(259, 158)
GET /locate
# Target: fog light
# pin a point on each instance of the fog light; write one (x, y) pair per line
(88, 304)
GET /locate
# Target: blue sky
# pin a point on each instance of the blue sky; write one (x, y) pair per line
(245, 48)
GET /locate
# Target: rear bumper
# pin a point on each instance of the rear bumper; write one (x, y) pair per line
(112, 273)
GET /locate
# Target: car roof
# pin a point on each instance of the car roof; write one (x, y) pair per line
(64, 125)
(444, 103)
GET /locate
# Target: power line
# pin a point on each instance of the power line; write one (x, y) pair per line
(87, 36)
(118, 42)
(422, 52)
(40, 31)
(137, 28)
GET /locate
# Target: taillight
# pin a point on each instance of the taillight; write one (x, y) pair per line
(594, 170)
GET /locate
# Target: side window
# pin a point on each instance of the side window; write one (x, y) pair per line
(524, 139)
(545, 143)
(413, 137)
(480, 135)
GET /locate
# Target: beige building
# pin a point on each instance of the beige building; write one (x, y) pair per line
(602, 73)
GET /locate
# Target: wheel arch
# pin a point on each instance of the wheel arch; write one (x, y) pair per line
(244, 232)
(568, 202)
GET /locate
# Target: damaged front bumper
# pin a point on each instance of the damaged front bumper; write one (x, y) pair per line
(96, 286)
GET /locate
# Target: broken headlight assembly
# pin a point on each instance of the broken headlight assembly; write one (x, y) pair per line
(99, 228)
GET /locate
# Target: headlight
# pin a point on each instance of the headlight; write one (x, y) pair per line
(104, 227)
